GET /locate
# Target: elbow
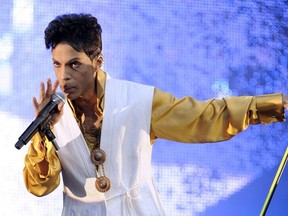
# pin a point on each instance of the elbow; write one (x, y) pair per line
(40, 187)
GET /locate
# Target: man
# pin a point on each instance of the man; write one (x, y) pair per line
(106, 129)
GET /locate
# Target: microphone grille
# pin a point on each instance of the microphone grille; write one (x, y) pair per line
(58, 97)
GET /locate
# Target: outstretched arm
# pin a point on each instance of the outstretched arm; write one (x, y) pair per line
(191, 121)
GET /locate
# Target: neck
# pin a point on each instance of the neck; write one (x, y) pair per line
(87, 102)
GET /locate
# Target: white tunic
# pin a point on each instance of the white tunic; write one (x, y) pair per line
(126, 141)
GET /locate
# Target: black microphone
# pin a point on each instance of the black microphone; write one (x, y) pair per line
(41, 120)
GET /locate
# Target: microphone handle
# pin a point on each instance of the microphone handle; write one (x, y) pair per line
(28, 133)
(36, 125)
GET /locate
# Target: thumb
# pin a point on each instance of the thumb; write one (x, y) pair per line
(60, 106)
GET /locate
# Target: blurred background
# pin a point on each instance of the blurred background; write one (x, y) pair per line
(205, 49)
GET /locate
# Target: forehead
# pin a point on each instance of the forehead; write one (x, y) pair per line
(64, 52)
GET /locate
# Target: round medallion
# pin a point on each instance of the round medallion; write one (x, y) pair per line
(102, 184)
(98, 156)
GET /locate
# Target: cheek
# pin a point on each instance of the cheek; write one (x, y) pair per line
(57, 73)
(86, 82)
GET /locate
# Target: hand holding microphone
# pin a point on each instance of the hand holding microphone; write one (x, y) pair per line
(44, 99)
(48, 110)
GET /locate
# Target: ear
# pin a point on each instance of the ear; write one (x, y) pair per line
(98, 61)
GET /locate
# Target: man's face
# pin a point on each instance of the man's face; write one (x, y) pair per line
(75, 71)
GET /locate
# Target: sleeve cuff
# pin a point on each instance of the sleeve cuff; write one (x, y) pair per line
(270, 108)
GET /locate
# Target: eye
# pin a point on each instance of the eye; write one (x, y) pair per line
(56, 64)
(75, 64)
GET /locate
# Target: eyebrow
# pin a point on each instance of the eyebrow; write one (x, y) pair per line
(71, 60)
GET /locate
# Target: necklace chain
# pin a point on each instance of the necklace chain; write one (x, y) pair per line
(93, 137)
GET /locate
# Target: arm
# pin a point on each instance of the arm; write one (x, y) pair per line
(42, 167)
(189, 120)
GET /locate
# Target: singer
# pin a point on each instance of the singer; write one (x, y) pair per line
(106, 128)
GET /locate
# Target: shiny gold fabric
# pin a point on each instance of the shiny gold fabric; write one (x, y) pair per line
(183, 120)
(188, 120)
(36, 180)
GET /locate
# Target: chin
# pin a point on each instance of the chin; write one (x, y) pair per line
(72, 96)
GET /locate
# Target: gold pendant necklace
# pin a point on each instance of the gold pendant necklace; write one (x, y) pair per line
(102, 184)
(97, 155)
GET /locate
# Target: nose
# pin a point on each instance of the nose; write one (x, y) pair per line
(65, 73)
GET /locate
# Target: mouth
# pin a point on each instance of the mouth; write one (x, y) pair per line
(67, 89)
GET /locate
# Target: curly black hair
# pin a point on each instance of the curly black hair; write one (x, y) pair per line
(80, 31)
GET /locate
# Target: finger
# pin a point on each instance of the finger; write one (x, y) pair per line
(49, 88)
(55, 86)
(35, 105)
(42, 91)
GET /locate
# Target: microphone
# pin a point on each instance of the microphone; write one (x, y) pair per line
(41, 120)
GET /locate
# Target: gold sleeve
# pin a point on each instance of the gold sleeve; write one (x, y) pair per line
(42, 167)
(191, 121)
